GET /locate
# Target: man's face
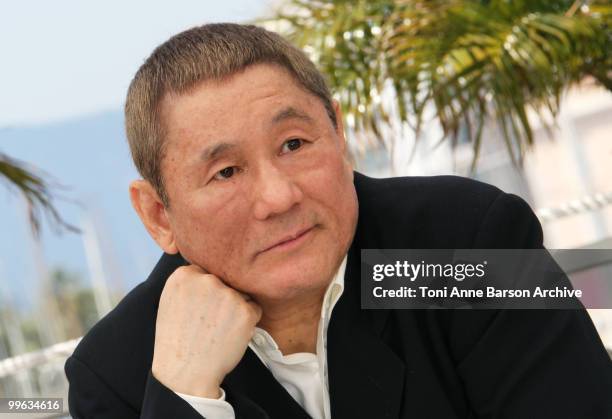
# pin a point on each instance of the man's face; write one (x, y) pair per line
(252, 161)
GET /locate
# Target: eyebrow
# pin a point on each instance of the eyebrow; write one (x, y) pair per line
(291, 113)
(215, 151)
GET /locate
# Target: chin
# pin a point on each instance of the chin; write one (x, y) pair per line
(295, 273)
(292, 284)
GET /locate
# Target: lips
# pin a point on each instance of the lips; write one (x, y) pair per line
(289, 238)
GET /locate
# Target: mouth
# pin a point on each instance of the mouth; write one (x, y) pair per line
(291, 241)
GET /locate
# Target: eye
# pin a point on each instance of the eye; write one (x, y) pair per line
(226, 173)
(292, 144)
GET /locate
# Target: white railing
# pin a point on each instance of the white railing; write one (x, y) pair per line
(576, 206)
(11, 366)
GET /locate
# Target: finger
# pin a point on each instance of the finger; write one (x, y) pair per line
(256, 308)
(246, 296)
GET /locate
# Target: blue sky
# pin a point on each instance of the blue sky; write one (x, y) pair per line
(64, 58)
(66, 66)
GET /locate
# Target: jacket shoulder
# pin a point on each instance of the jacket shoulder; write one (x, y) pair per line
(423, 211)
(444, 187)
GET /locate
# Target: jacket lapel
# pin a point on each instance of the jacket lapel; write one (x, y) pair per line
(366, 378)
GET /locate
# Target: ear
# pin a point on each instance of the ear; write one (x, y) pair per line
(152, 213)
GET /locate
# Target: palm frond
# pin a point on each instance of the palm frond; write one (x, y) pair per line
(35, 190)
(461, 58)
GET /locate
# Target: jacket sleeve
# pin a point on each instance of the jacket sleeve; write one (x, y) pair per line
(533, 363)
(89, 397)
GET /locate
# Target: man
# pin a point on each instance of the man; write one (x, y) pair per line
(253, 310)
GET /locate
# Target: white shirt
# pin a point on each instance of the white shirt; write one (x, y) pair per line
(303, 375)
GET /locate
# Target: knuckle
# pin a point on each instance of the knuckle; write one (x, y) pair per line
(185, 280)
(179, 275)
(211, 280)
(252, 311)
(224, 295)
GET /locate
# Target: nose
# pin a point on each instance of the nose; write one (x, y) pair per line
(275, 192)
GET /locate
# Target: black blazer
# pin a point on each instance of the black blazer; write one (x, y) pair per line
(383, 363)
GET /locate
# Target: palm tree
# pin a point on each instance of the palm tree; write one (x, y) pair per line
(36, 191)
(466, 61)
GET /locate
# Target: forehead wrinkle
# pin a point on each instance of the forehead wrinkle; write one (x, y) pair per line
(291, 112)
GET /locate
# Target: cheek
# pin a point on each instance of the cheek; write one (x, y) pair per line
(335, 177)
(213, 235)
(344, 197)
(332, 185)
